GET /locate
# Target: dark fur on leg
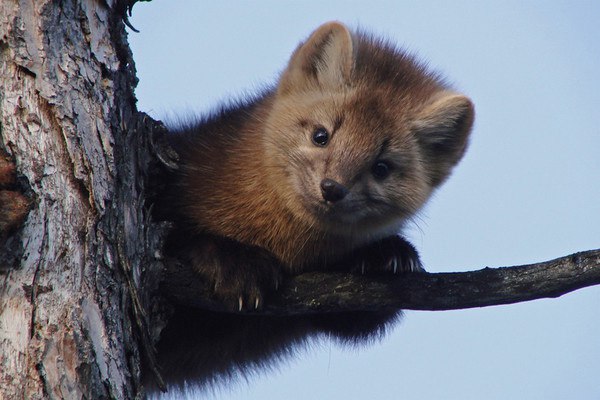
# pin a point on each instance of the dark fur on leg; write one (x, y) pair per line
(391, 255)
(202, 349)
(241, 275)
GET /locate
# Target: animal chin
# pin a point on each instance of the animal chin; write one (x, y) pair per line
(339, 216)
(342, 215)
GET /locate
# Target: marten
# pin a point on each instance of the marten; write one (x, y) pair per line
(319, 172)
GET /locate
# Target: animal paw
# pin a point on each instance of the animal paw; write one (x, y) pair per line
(393, 254)
(241, 275)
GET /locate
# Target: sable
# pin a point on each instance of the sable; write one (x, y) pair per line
(319, 173)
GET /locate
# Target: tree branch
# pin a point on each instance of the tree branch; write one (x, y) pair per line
(319, 292)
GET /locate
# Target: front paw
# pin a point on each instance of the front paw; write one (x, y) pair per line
(241, 275)
(393, 254)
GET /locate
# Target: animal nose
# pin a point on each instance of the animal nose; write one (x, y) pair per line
(333, 191)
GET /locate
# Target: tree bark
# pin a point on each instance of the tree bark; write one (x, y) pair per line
(71, 318)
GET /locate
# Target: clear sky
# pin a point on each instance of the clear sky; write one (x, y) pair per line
(528, 189)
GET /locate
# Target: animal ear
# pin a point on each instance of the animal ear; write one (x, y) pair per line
(324, 61)
(442, 130)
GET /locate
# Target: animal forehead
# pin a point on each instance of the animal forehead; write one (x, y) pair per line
(374, 117)
(370, 139)
(381, 104)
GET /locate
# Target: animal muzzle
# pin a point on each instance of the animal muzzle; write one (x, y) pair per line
(333, 191)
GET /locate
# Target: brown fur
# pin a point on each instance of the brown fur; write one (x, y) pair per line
(251, 174)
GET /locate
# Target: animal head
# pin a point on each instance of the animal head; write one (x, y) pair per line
(360, 133)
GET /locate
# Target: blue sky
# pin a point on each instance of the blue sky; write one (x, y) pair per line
(528, 189)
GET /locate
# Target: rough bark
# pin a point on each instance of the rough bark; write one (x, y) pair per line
(71, 319)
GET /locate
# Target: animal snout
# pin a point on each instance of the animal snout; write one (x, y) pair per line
(333, 191)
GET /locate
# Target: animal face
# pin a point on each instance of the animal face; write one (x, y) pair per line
(355, 148)
(347, 161)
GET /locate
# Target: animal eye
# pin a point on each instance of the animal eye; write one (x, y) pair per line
(320, 137)
(381, 170)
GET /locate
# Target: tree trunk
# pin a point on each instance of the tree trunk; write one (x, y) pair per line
(77, 278)
(70, 314)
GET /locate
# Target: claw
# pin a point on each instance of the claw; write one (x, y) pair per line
(413, 265)
(276, 284)
(394, 262)
(362, 267)
(256, 303)
(240, 303)
(419, 266)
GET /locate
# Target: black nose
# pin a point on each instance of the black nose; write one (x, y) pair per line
(333, 191)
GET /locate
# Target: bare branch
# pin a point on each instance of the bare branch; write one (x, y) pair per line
(320, 292)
